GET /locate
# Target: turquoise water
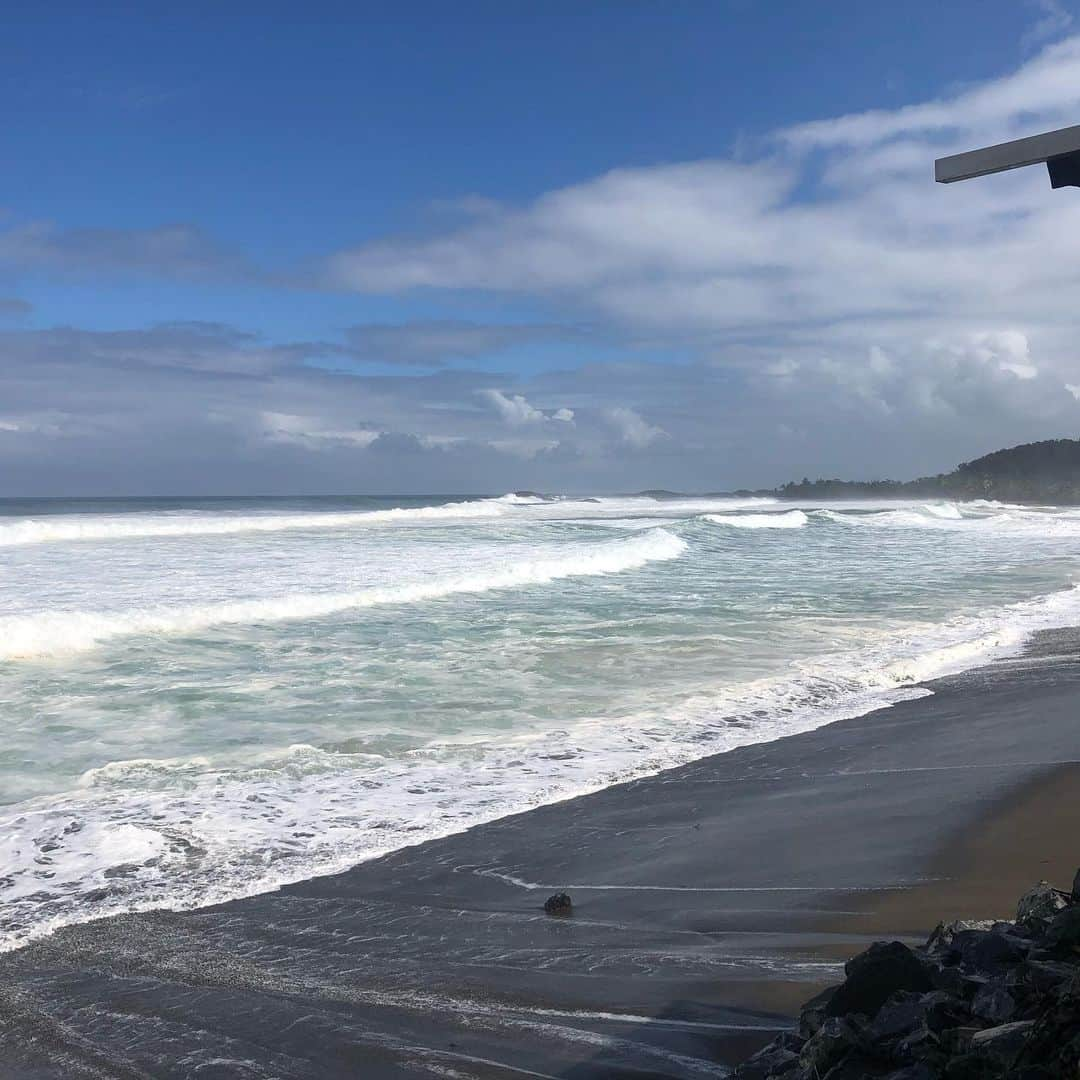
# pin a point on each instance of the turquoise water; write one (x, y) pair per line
(208, 698)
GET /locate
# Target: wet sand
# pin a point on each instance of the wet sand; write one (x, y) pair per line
(708, 902)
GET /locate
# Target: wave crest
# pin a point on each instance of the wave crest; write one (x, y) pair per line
(124, 527)
(789, 519)
(60, 633)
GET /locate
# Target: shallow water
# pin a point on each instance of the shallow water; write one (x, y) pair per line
(208, 698)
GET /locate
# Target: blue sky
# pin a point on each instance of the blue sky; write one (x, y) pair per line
(484, 245)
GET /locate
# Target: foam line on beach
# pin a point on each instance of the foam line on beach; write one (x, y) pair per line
(655, 1021)
(628, 1046)
(843, 773)
(533, 886)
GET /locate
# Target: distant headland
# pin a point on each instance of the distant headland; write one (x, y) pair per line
(1038, 472)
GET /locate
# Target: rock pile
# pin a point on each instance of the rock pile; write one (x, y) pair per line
(979, 1001)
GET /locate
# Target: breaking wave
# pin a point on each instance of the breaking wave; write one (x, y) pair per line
(976, 517)
(163, 525)
(791, 519)
(129, 526)
(187, 835)
(61, 633)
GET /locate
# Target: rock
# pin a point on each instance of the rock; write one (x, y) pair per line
(957, 1040)
(1063, 934)
(874, 976)
(1076, 888)
(945, 976)
(1040, 904)
(916, 1045)
(980, 1001)
(813, 1013)
(994, 1004)
(836, 1037)
(559, 904)
(942, 937)
(1054, 1042)
(1002, 1043)
(901, 1014)
(944, 1011)
(988, 952)
(913, 1072)
(779, 1058)
(973, 1067)
(1039, 977)
(854, 1067)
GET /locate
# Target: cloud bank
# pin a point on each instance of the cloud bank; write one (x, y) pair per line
(812, 305)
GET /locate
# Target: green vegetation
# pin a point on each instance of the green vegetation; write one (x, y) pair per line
(1041, 472)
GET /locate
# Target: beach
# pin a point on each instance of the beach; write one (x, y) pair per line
(708, 902)
(540, 543)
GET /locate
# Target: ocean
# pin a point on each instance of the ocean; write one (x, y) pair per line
(205, 699)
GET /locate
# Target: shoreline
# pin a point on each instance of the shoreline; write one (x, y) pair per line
(938, 660)
(982, 871)
(709, 902)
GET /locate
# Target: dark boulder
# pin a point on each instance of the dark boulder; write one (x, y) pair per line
(994, 1004)
(559, 904)
(945, 974)
(918, 1071)
(941, 938)
(1039, 977)
(1002, 1043)
(957, 1040)
(899, 1016)
(1063, 934)
(835, 1039)
(814, 1012)
(1054, 1041)
(855, 1067)
(988, 951)
(1040, 904)
(875, 975)
(776, 1059)
(980, 1001)
(917, 1045)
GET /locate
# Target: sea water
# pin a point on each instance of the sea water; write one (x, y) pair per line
(205, 699)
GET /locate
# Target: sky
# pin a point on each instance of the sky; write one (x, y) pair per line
(602, 245)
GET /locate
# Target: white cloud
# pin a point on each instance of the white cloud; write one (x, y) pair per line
(1044, 89)
(311, 431)
(1008, 349)
(1053, 21)
(515, 410)
(836, 235)
(632, 428)
(826, 292)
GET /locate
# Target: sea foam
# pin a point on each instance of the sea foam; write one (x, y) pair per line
(791, 519)
(131, 526)
(59, 633)
(219, 834)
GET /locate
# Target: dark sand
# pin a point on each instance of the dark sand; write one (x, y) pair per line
(709, 901)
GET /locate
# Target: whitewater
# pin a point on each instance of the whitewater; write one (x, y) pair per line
(206, 699)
